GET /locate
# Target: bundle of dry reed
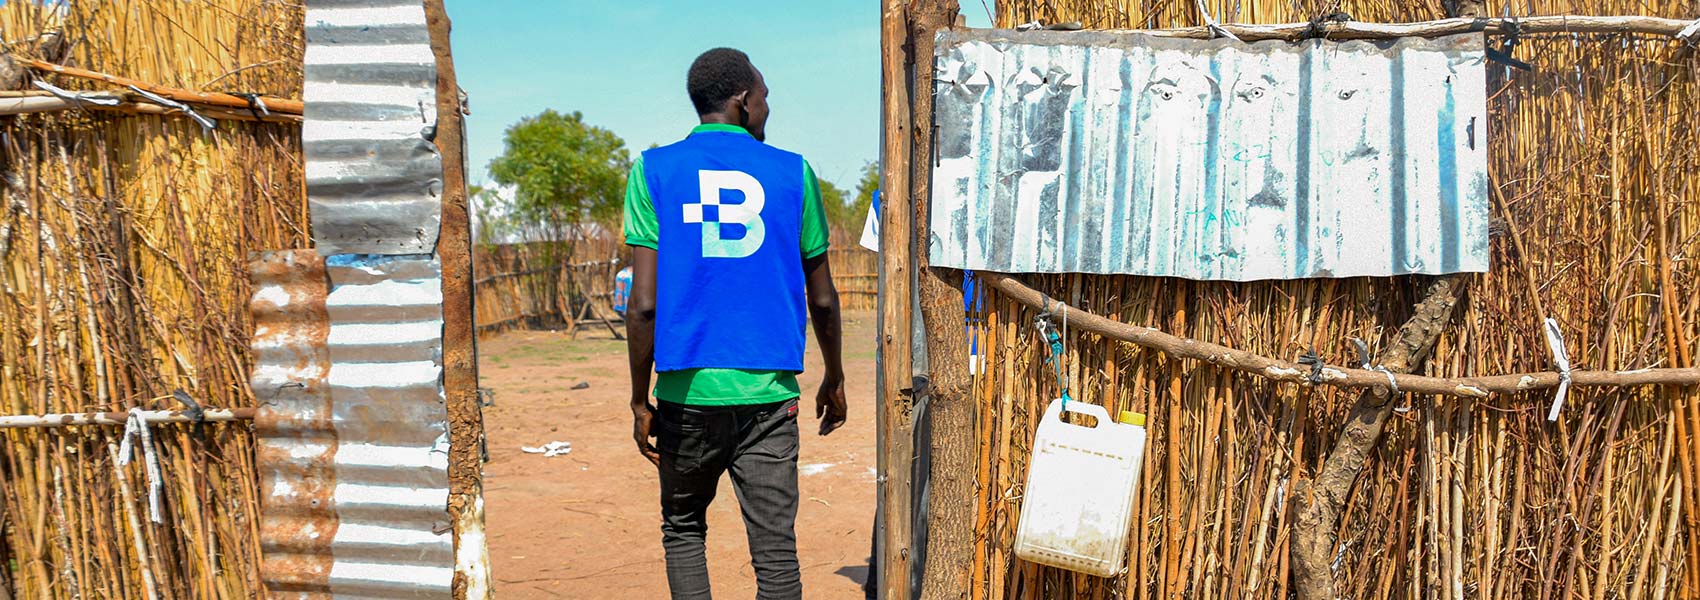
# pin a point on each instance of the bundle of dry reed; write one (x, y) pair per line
(124, 240)
(1597, 202)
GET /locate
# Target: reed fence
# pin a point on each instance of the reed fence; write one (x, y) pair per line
(124, 240)
(556, 284)
(855, 271)
(546, 284)
(1596, 189)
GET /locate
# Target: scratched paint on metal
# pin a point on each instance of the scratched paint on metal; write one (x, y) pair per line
(353, 443)
(1114, 152)
(374, 178)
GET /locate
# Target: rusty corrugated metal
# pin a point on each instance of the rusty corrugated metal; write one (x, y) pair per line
(1107, 152)
(296, 441)
(373, 174)
(349, 347)
(353, 442)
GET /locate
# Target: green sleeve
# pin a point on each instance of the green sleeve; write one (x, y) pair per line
(641, 227)
(815, 236)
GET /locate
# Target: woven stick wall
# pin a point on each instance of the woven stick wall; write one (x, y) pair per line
(546, 284)
(855, 270)
(1595, 171)
(124, 240)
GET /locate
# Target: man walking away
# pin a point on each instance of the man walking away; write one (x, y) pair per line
(729, 243)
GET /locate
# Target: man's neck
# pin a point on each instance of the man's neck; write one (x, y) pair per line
(719, 119)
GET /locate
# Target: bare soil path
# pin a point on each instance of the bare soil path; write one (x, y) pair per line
(587, 524)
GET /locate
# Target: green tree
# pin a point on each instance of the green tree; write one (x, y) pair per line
(847, 213)
(565, 172)
(865, 192)
(837, 210)
(492, 217)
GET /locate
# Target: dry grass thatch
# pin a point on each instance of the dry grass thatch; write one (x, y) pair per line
(124, 240)
(1597, 205)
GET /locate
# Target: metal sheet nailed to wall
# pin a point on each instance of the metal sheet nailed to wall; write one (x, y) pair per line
(374, 178)
(353, 446)
(1114, 152)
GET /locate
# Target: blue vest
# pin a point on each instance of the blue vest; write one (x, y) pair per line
(729, 280)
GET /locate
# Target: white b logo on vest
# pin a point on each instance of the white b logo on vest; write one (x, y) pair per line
(711, 214)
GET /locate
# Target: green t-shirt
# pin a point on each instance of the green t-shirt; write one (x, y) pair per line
(722, 386)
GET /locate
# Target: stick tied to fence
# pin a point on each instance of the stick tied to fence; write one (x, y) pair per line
(1342, 377)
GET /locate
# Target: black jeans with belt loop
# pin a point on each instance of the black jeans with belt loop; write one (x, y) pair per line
(757, 444)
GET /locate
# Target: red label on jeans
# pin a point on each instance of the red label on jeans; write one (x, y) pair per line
(792, 411)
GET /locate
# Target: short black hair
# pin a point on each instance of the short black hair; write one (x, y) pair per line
(718, 75)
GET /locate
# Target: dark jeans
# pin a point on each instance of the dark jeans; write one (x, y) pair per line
(757, 444)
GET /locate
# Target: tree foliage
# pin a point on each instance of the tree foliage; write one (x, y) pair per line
(837, 209)
(565, 172)
(865, 190)
(492, 218)
(847, 213)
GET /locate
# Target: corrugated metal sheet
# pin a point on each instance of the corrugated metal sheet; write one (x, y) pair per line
(374, 178)
(353, 446)
(1103, 152)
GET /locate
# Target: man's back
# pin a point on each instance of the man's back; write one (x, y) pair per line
(729, 272)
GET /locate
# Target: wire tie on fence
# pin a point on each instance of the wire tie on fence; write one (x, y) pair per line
(1310, 359)
(195, 412)
(206, 123)
(1216, 29)
(1555, 344)
(256, 104)
(1688, 33)
(136, 431)
(1392, 383)
(1363, 359)
(77, 98)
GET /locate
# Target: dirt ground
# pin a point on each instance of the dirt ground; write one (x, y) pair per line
(587, 524)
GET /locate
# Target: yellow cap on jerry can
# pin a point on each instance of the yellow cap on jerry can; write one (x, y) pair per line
(1132, 418)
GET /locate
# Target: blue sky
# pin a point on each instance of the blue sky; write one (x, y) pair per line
(622, 63)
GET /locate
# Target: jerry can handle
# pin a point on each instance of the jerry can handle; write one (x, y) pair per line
(1055, 409)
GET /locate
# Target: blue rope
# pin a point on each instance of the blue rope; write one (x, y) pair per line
(1055, 346)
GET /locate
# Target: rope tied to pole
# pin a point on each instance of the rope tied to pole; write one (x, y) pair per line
(1054, 345)
(136, 431)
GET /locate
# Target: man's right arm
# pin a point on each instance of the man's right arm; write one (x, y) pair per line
(642, 234)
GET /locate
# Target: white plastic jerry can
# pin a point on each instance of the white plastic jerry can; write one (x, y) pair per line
(1081, 481)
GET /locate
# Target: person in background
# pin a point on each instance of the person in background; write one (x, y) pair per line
(729, 243)
(622, 290)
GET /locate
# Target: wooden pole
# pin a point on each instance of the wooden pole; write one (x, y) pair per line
(951, 409)
(896, 433)
(277, 105)
(460, 352)
(118, 418)
(1346, 377)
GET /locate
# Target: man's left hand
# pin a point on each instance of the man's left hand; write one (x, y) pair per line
(829, 405)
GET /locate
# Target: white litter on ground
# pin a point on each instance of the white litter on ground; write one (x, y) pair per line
(549, 449)
(815, 469)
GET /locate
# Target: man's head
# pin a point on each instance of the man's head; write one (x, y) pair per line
(726, 88)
